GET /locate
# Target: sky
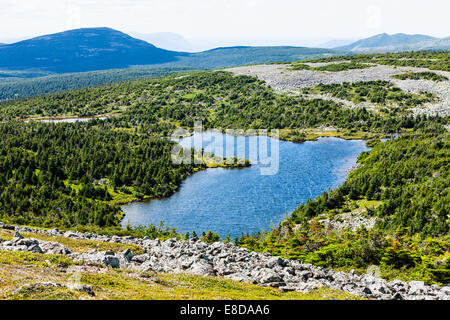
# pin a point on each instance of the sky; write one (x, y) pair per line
(230, 22)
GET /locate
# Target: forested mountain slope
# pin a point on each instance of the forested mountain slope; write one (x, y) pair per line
(396, 42)
(13, 87)
(81, 50)
(92, 49)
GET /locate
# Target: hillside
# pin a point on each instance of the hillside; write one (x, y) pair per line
(237, 56)
(92, 49)
(396, 42)
(156, 107)
(144, 261)
(14, 87)
(103, 48)
(439, 44)
(391, 212)
(81, 50)
(52, 274)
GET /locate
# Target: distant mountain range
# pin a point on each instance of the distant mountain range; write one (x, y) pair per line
(103, 48)
(396, 42)
(244, 55)
(166, 40)
(82, 50)
(335, 43)
(91, 49)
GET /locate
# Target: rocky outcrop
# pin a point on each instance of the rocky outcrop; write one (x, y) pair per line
(18, 243)
(107, 258)
(280, 78)
(351, 220)
(226, 260)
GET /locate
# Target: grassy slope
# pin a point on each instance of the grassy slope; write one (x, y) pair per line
(19, 269)
(15, 86)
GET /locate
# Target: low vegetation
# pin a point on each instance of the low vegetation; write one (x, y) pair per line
(218, 99)
(332, 67)
(433, 60)
(426, 75)
(381, 93)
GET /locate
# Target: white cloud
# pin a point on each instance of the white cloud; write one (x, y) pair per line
(374, 19)
(73, 16)
(229, 19)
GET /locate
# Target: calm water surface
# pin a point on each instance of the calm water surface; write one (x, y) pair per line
(68, 120)
(230, 202)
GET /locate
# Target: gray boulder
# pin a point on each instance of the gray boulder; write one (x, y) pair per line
(128, 254)
(417, 288)
(52, 247)
(72, 234)
(6, 226)
(202, 267)
(35, 249)
(102, 258)
(275, 261)
(140, 258)
(17, 235)
(266, 275)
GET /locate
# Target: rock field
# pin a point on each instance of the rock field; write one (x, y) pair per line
(281, 79)
(224, 260)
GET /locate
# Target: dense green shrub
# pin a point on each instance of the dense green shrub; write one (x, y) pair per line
(421, 75)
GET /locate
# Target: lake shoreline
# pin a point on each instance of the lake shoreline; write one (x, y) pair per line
(62, 118)
(335, 154)
(148, 199)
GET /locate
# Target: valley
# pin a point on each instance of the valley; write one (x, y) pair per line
(391, 211)
(236, 202)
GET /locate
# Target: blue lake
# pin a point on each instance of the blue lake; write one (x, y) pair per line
(68, 120)
(232, 201)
